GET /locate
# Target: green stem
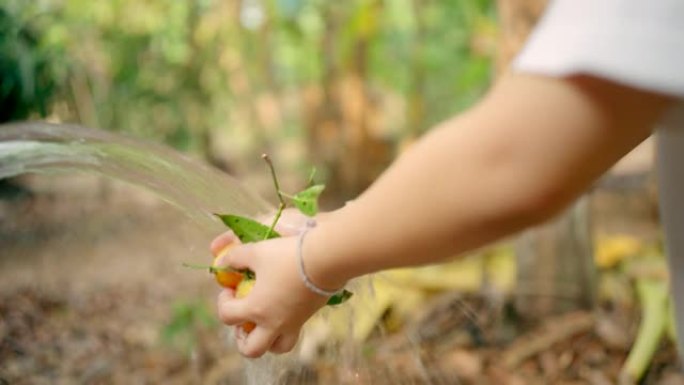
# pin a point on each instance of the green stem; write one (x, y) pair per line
(212, 269)
(281, 207)
(312, 174)
(288, 196)
(282, 204)
(653, 295)
(267, 159)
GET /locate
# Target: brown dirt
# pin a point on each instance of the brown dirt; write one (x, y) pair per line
(91, 281)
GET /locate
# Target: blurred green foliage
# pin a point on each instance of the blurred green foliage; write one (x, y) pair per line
(27, 78)
(189, 72)
(187, 320)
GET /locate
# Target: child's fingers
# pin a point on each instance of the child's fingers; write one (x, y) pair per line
(226, 295)
(231, 311)
(221, 242)
(240, 257)
(257, 342)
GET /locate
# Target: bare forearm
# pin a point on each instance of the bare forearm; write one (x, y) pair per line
(520, 156)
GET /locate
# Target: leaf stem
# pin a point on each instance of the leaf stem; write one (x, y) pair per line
(281, 207)
(282, 204)
(268, 161)
(212, 269)
(215, 269)
(312, 174)
(288, 196)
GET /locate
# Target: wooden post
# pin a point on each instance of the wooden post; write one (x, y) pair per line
(556, 271)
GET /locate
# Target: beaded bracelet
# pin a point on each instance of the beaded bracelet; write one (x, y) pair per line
(310, 224)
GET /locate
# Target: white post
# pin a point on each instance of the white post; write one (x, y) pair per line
(671, 190)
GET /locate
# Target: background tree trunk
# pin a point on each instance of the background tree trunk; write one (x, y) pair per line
(341, 129)
(556, 270)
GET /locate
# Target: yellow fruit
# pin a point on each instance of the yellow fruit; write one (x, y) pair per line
(242, 290)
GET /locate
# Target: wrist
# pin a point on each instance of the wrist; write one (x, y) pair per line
(306, 280)
(318, 258)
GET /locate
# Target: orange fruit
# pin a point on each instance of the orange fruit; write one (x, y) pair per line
(248, 326)
(227, 278)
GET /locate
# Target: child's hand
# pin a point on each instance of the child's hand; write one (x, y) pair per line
(279, 303)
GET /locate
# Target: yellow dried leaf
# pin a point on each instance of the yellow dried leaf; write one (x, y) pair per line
(612, 250)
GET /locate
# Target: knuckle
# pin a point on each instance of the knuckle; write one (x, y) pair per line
(258, 311)
(278, 323)
(239, 257)
(228, 317)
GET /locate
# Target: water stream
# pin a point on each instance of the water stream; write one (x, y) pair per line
(189, 185)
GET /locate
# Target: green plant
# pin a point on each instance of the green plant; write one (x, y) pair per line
(187, 318)
(27, 79)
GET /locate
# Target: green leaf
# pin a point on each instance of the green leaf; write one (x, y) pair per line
(247, 230)
(307, 201)
(339, 298)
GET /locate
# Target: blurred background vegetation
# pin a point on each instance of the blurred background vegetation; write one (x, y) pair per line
(340, 85)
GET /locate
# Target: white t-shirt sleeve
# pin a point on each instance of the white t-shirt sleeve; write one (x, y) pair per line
(639, 43)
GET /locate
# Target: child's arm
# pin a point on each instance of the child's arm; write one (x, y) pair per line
(527, 150)
(521, 155)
